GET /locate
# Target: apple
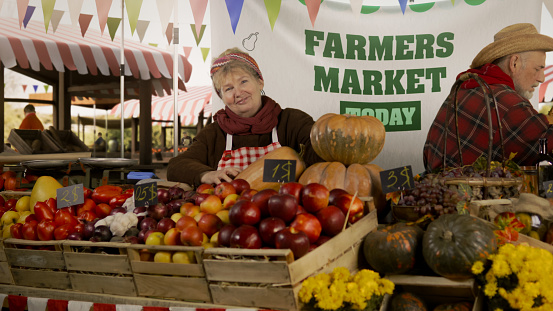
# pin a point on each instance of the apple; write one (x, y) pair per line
(200, 197)
(184, 222)
(293, 188)
(175, 205)
(334, 194)
(309, 224)
(145, 255)
(297, 241)
(240, 185)
(10, 204)
(158, 211)
(223, 189)
(192, 236)
(176, 216)
(245, 236)
(148, 223)
(210, 224)
(214, 239)
(261, 198)
(223, 214)
(9, 217)
(198, 216)
(230, 200)
(224, 234)
(192, 211)
(268, 227)
(184, 207)
(301, 210)
(163, 195)
(314, 197)
(15, 231)
(187, 257)
(322, 239)
(247, 194)
(211, 205)
(352, 203)
(332, 220)
(164, 224)
(205, 188)
(172, 237)
(283, 206)
(163, 256)
(244, 213)
(154, 238)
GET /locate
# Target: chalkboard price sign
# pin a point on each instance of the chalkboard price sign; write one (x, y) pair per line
(548, 187)
(279, 170)
(397, 179)
(68, 196)
(145, 194)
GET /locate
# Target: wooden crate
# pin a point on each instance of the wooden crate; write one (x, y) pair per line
(37, 263)
(270, 278)
(99, 267)
(436, 290)
(5, 272)
(22, 140)
(169, 280)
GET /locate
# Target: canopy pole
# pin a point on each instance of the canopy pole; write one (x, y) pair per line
(94, 126)
(122, 74)
(175, 78)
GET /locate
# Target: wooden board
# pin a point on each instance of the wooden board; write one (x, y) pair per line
(5, 273)
(40, 278)
(31, 258)
(182, 288)
(103, 284)
(78, 257)
(254, 296)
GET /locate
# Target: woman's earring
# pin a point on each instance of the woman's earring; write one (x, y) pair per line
(262, 92)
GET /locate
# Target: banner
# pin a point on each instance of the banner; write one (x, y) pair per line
(398, 67)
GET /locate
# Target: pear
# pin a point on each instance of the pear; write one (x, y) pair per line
(45, 187)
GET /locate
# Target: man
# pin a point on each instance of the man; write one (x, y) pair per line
(513, 66)
(100, 143)
(31, 121)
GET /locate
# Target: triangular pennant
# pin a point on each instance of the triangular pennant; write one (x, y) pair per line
(57, 305)
(164, 8)
(46, 87)
(75, 7)
(22, 10)
(141, 27)
(113, 24)
(56, 18)
(3, 296)
(193, 309)
(205, 52)
(146, 308)
(234, 8)
(17, 303)
(47, 10)
(187, 50)
(104, 307)
(453, 2)
(169, 33)
(28, 15)
(24, 87)
(102, 7)
(35, 86)
(195, 31)
(356, 6)
(128, 307)
(36, 304)
(84, 22)
(273, 9)
(198, 10)
(133, 11)
(403, 5)
(313, 7)
(79, 305)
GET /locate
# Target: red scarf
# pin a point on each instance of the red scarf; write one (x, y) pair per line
(262, 123)
(490, 73)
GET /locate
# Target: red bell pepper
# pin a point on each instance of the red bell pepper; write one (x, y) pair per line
(86, 192)
(88, 205)
(45, 230)
(63, 217)
(103, 194)
(118, 200)
(43, 211)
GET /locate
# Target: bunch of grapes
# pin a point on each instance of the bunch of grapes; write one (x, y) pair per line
(431, 196)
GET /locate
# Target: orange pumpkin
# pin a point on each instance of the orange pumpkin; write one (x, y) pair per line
(355, 178)
(348, 139)
(253, 174)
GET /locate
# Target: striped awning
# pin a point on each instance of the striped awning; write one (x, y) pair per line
(189, 106)
(94, 54)
(548, 73)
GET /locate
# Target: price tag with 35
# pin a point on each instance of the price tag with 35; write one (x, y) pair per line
(548, 187)
(279, 170)
(71, 195)
(397, 179)
(145, 194)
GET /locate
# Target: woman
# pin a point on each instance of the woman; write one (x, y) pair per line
(250, 126)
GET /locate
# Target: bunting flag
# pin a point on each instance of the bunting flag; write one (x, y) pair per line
(47, 11)
(57, 305)
(169, 33)
(187, 50)
(313, 9)
(28, 15)
(103, 307)
(79, 305)
(141, 27)
(128, 307)
(113, 24)
(35, 87)
(403, 5)
(17, 303)
(356, 6)
(273, 8)
(56, 18)
(84, 22)
(205, 52)
(22, 10)
(165, 9)
(75, 7)
(102, 7)
(46, 87)
(133, 11)
(234, 8)
(24, 87)
(198, 10)
(453, 2)
(195, 31)
(36, 304)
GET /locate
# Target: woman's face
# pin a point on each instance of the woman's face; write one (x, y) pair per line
(241, 93)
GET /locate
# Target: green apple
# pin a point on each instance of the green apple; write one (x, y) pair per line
(9, 217)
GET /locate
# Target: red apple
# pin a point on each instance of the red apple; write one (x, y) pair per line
(334, 194)
(268, 227)
(184, 222)
(240, 185)
(158, 211)
(322, 239)
(223, 189)
(309, 224)
(283, 206)
(164, 224)
(244, 213)
(297, 241)
(205, 188)
(261, 198)
(292, 188)
(301, 210)
(225, 233)
(230, 200)
(245, 236)
(353, 204)
(247, 194)
(200, 197)
(314, 197)
(192, 236)
(211, 204)
(332, 220)
(172, 237)
(10, 204)
(209, 224)
(175, 205)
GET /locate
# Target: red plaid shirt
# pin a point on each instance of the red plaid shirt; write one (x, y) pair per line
(522, 126)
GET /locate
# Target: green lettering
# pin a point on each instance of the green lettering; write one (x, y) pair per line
(434, 74)
(425, 46)
(443, 42)
(351, 80)
(367, 112)
(333, 46)
(353, 111)
(327, 82)
(311, 40)
(383, 116)
(383, 50)
(356, 47)
(372, 82)
(393, 82)
(395, 118)
(413, 81)
(408, 113)
(403, 51)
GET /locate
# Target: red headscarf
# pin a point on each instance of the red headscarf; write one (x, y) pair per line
(490, 73)
(262, 123)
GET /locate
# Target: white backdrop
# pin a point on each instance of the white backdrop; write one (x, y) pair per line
(290, 54)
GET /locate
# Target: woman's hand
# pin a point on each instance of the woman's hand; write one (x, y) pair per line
(216, 177)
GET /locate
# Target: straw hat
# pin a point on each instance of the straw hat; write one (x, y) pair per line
(513, 39)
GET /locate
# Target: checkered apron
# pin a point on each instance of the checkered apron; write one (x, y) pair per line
(242, 157)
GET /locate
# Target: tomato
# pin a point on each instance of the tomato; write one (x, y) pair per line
(63, 217)
(10, 183)
(8, 174)
(15, 230)
(28, 230)
(129, 191)
(78, 228)
(87, 192)
(102, 210)
(45, 230)
(103, 194)
(43, 211)
(118, 200)
(88, 205)
(87, 215)
(61, 232)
